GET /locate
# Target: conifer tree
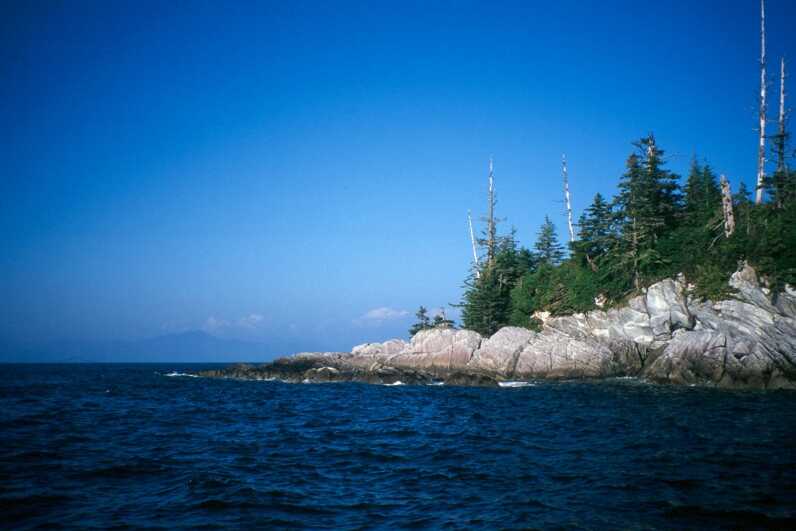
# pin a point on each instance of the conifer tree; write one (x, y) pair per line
(423, 321)
(486, 304)
(702, 195)
(743, 206)
(441, 321)
(596, 235)
(548, 250)
(648, 204)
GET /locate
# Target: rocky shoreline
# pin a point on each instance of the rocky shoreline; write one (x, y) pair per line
(664, 336)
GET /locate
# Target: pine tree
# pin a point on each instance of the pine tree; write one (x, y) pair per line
(596, 234)
(486, 304)
(441, 321)
(692, 243)
(649, 204)
(743, 206)
(423, 321)
(702, 195)
(547, 247)
(483, 306)
(665, 188)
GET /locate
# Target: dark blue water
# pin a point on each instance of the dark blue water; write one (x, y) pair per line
(114, 445)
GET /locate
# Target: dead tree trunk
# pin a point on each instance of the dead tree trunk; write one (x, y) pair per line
(491, 230)
(779, 141)
(636, 276)
(781, 131)
(472, 241)
(566, 198)
(761, 150)
(726, 206)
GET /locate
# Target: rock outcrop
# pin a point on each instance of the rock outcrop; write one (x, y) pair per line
(746, 341)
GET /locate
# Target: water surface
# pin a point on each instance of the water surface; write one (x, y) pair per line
(114, 445)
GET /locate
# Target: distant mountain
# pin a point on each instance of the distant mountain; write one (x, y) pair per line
(192, 346)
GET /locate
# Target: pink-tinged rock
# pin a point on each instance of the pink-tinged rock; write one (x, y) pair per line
(498, 354)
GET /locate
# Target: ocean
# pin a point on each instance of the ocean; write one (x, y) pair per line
(142, 445)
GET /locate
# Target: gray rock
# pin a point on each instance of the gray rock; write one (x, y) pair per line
(667, 309)
(498, 354)
(691, 357)
(438, 350)
(392, 346)
(748, 341)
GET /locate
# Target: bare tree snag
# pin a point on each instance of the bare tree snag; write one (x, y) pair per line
(472, 241)
(636, 276)
(761, 150)
(726, 206)
(491, 230)
(591, 263)
(566, 198)
(781, 131)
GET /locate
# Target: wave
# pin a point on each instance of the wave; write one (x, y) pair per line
(516, 384)
(174, 374)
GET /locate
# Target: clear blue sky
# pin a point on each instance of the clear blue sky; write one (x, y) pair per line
(303, 170)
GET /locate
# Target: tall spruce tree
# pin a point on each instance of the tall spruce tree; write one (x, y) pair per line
(702, 200)
(596, 235)
(743, 206)
(692, 243)
(648, 205)
(486, 304)
(548, 250)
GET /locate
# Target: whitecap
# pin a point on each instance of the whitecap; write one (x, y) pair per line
(516, 384)
(399, 382)
(174, 373)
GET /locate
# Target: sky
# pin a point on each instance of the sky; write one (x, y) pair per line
(299, 173)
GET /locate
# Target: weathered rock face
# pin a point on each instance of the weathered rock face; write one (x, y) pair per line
(437, 350)
(392, 346)
(748, 340)
(499, 354)
(667, 309)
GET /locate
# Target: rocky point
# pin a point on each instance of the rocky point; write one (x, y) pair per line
(663, 335)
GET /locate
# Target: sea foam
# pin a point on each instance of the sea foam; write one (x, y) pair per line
(516, 384)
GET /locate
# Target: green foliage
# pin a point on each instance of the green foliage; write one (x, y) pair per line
(702, 202)
(423, 321)
(561, 290)
(648, 205)
(651, 230)
(710, 280)
(771, 245)
(597, 234)
(441, 321)
(486, 305)
(548, 250)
